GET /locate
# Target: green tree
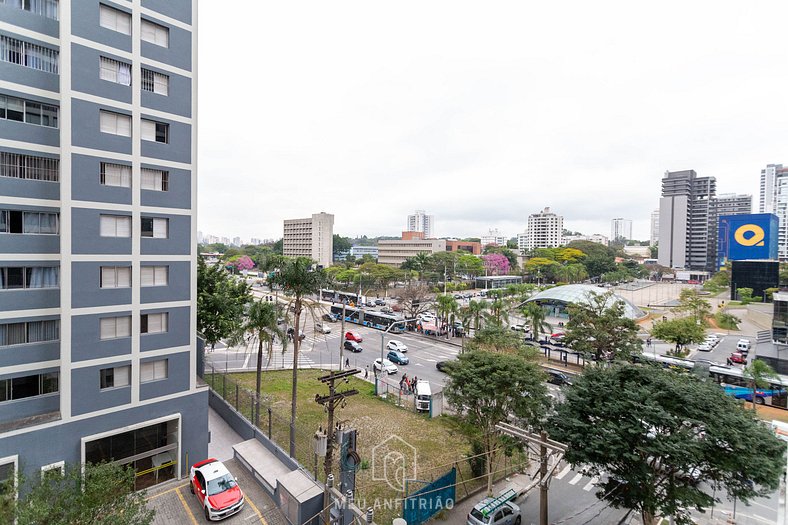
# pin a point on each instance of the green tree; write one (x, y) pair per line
(691, 303)
(473, 313)
(278, 247)
(220, 302)
(498, 311)
(758, 373)
(470, 265)
(298, 278)
(535, 319)
(446, 306)
(681, 331)
(599, 328)
(745, 295)
(665, 439)
(261, 328)
(489, 387)
(341, 244)
(103, 495)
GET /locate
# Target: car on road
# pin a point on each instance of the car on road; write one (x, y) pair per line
(397, 346)
(353, 336)
(322, 328)
(738, 358)
(518, 327)
(370, 304)
(441, 365)
(380, 302)
(488, 512)
(705, 347)
(386, 365)
(216, 489)
(426, 317)
(397, 357)
(743, 346)
(330, 317)
(386, 310)
(352, 346)
(557, 339)
(554, 377)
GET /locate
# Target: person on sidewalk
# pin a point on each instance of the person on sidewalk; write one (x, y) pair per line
(347, 362)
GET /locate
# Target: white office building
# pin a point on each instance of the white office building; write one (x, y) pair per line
(493, 237)
(654, 237)
(620, 230)
(421, 222)
(544, 231)
(774, 199)
(311, 237)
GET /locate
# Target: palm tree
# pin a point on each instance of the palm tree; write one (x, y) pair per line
(535, 319)
(498, 313)
(300, 280)
(446, 305)
(758, 372)
(260, 325)
(474, 312)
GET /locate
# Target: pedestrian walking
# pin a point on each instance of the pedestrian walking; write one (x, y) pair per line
(366, 372)
(347, 362)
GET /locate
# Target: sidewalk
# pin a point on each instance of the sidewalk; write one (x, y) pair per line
(222, 437)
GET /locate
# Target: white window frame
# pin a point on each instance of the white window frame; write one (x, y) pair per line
(114, 19)
(15, 461)
(112, 271)
(151, 276)
(154, 33)
(163, 323)
(148, 131)
(116, 333)
(158, 370)
(114, 123)
(161, 228)
(57, 465)
(112, 70)
(155, 82)
(119, 224)
(110, 173)
(154, 180)
(115, 370)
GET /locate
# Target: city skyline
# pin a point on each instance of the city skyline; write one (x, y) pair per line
(390, 137)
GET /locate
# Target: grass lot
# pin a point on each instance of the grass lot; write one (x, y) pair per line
(438, 443)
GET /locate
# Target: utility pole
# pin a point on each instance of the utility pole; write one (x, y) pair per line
(342, 339)
(332, 401)
(547, 448)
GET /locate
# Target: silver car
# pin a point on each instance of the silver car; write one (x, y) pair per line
(507, 513)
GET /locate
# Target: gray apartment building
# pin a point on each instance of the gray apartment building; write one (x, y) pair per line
(98, 236)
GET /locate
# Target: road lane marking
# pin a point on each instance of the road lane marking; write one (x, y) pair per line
(254, 508)
(154, 496)
(246, 361)
(564, 472)
(575, 479)
(185, 506)
(591, 483)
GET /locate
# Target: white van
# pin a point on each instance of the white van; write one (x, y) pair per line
(423, 395)
(743, 346)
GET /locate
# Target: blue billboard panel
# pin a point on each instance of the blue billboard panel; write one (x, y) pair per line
(743, 237)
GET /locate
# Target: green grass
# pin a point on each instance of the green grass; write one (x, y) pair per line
(438, 442)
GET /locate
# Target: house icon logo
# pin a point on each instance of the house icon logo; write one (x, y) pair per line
(394, 461)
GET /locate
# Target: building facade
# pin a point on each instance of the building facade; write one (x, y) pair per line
(654, 229)
(493, 237)
(360, 251)
(684, 215)
(544, 231)
(620, 230)
(597, 238)
(98, 352)
(774, 199)
(421, 222)
(311, 237)
(396, 251)
(474, 248)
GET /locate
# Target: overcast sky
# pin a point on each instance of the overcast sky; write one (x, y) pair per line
(479, 112)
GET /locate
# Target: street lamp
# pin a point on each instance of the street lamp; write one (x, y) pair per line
(383, 346)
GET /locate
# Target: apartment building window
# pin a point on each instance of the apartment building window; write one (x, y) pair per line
(156, 180)
(28, 386)
(28, 55)
(155, 131)
(154, 82)
(115, 123)
(115, 377)
(156, 228)
(45, 8)
(116, 277)
(21, 277)
(154, 275)
(18, 166)
(115, 327)
(29, 332)
(115, 175)
(29, 222)
(154, 33)
(21, 110)
(114, 19)
(7, 479)
(115, 226)
(115, 71)
(153, 323)
(153, 370)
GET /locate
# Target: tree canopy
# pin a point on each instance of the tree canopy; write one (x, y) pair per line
(600, 329)
(220, 302)
(665, 439)
(681, 331)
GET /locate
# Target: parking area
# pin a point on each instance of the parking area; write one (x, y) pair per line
(175, 505)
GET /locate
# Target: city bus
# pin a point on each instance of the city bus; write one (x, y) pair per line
(377, 320)
(336, 296)
(730, 378)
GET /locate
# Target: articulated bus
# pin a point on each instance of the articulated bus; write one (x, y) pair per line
(731, 379)
(376, 320)
(341, 297)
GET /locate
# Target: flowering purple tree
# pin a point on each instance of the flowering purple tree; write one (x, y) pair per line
(496, 264)
(241, 263)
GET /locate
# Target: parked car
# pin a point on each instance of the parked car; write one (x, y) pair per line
(380, 302)
(395, 345)
(322, 328)
(217, 490)
(352, 346)
(386, 310)
(353, 336)
(507, 513)
(554, 377)
(705, 347)
(441, 365)
(518, 327)
(386, 365)
(370, 304)
(397, 357)
(738, 358)
(458, 296)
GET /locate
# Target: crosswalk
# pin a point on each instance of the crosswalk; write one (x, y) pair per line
(578, 476)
